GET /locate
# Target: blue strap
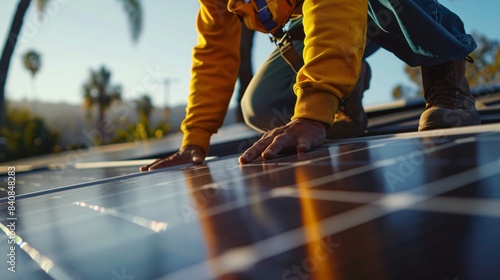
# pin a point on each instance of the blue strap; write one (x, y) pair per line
(265, 16)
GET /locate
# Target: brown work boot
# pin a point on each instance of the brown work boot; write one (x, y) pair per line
(448, 100)
(351, 119)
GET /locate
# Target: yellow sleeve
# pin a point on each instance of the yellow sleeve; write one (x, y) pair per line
(333, 48)
(213, 74)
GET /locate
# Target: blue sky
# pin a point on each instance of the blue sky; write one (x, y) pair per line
(77, 35)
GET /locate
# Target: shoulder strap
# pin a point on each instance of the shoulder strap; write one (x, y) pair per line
(264, 15)
(290, 54)
(284, 42)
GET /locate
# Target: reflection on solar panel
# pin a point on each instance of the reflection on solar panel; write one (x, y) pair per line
(409, 206)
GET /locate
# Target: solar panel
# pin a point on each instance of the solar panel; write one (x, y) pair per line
(221, 142)
(414, 206)
(80, 167)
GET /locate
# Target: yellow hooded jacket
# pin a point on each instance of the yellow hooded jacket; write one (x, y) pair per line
(333, 48)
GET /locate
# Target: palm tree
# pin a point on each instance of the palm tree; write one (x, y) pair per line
(8, 49)
(98, 91)
(132, 8)
(32, 62)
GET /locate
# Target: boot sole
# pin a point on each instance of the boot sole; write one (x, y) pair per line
(435, 118)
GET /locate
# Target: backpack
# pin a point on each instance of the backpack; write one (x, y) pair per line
(267, 16)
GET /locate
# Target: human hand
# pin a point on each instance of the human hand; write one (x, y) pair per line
(300, 135)
(189, 154)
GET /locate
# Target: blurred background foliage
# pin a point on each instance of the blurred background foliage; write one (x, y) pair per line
(26, 136)
(484, 71)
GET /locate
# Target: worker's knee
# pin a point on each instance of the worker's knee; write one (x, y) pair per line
(263, 115)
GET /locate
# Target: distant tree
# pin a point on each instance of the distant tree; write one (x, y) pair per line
(144, 105)
(143, 129)
(485, 69)
(8, 50)
(133, 9)
(401, 92)
(98, 91)
(26, 136)
(32, 62)
(140, 131)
